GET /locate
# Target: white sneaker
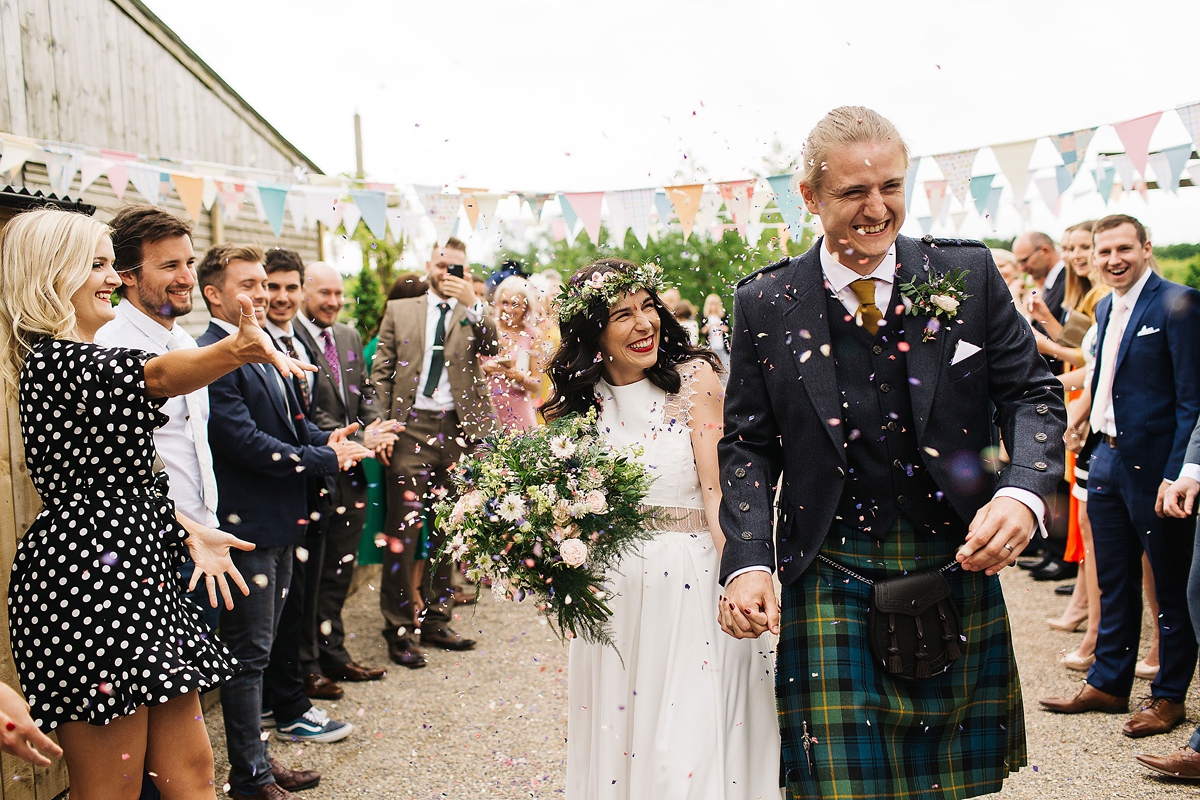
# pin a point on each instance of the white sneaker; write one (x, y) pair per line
(314, 726)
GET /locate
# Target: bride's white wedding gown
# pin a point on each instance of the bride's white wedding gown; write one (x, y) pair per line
(690, 714)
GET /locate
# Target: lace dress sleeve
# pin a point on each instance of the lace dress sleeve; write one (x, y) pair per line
(678, 408)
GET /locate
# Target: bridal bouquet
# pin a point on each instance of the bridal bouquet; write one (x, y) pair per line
(544, 513)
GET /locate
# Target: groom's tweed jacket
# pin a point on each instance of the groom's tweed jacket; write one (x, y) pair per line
(783, 408)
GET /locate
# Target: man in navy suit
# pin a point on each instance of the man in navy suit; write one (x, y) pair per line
(1145, 401)
(264, 449)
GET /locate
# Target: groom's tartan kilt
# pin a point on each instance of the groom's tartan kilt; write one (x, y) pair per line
(958, 734)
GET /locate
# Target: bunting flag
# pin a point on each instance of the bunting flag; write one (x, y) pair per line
(617, 222)
(18, 150)
(981, 188)
(190, 189)
(1073, 147)
(1063, 177)
(118, 175)
(487, 209)
(471, 205)
(351, 214)
(935, 191)
(254, 199)
(536, 202)
(1105, 176)
(324, 205)
(297, 206)
(686, 202)
(372, 203)
(441, 210)
(1047, 187)
(91, 168)
(926, 224)
(737, 196)
(790, 204)
(1013, 159)
(910, 180)
(1189, 115)
(1125, 169)
(210, 193)
(587, 206)
(662, 204)
(956, 169)
(232, 195)
(62, 165)
(273, 197)
(145, 178)
(1168, 166)
(992, 210)
(570, 218)
(635, 205)
(708, 211)
(1135, 136)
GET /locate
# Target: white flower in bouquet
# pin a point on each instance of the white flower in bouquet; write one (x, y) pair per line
(562, 511)
(579, 510)
(562, 447)
(512, 508)
(472, 500)
(574, 552)
(499, 589)
(551, 492)
(596, 502)
(945, 303)
(458, 547)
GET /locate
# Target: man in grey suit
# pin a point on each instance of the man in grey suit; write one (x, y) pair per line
(342, 394)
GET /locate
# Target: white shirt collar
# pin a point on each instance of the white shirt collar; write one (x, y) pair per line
(434, 301)
(143, 322)
(277, 331)
(1052, 276)
(312, 327)
(1130, 298)
(840, 276)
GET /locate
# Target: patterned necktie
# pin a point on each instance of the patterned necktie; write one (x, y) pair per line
(301, 383)
(438, 361)
(868, 312)
(331, 353)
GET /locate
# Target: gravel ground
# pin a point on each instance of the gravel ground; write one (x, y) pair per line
(491, 723)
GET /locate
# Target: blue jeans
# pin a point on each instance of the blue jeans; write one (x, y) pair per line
(249, 631)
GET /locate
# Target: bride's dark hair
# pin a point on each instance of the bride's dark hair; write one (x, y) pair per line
(578, 365)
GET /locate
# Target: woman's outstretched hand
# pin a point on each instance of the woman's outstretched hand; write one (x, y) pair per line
(209, 549)
(253, 345)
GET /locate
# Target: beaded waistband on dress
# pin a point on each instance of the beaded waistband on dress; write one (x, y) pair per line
(676, 518)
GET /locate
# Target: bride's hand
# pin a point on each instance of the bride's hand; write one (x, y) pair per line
(749, 609)
(209, 549)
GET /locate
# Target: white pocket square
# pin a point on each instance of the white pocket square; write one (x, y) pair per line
(1147, 330)
(964, 350)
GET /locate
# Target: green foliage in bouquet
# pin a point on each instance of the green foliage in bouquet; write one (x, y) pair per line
(545, 513)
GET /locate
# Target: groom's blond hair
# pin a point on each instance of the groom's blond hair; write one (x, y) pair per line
(842, 126)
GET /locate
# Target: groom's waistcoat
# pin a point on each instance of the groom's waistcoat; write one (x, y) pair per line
(886, 473)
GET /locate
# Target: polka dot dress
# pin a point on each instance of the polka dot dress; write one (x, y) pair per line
(97, 613)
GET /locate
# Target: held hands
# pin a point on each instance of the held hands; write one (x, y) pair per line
(1177, 499)
(381, 433)
(348, 453)
(749, 609)
(209, 548)
(460, 289)
(18, 735)
(997, 535)
(253, 345)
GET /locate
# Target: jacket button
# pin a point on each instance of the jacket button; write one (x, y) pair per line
(885, 388)
(1040, 466)
(1042, 408)
(891, 426)
(1041, 437)
(740, 472)
(877, 350)
(747, 535)
(927, 238)
(744, 506)
(901, 499)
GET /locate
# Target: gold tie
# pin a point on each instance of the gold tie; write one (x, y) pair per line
(868, 312)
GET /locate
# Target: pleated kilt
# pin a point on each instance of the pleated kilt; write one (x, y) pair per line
(958, 734)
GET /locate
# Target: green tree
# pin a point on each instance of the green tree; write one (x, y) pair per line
(367, 294)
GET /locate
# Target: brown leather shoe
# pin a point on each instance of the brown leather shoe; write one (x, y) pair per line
(294, 780)
(354, 672)
(1089, 698)
(272, 791)
(1184, 765)
(406, 654)
(446, 638)
(1156, 715)
(318, 687)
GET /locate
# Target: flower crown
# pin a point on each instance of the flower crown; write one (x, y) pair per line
(577, 296)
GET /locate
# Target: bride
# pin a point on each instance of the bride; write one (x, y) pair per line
(677, 710)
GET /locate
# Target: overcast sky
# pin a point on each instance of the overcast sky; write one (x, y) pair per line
(577, 96)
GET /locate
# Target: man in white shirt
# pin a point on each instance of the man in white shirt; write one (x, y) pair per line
(158, 272)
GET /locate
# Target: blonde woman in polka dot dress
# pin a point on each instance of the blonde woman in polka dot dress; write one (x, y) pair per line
(108, 651)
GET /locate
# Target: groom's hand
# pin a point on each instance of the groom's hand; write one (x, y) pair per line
(748, 608)
(997, 535)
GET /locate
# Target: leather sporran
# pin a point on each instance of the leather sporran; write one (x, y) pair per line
(914, 627)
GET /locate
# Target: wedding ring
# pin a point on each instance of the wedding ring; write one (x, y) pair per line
(1009, 547)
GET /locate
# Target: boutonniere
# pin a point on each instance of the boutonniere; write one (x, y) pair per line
(938, 297)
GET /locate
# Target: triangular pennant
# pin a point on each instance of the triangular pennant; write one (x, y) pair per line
(62, 165)
(981, 187)
(706, 215)
(252, 197)
(273, 197)
(471, 206)
(190, 189)
(635, 204)
(145, 180)
(1125, 169)
(926, 224)
(1013, 159)
(935, 191)
(118, 174)
(910, 181)
(1064, 177)
(91, 168)
(1168, 166)
(617, 222)
(487, 209)
(1105, 176)
(441, 210)
(18, 150)
(1047, 186)
(1073, 147)
(323, 205)
(569, 216)
(992, 209)
(350, 217)
(297, 206)
(686, 202)
(956, 169)
(210, 193)
(790, 204)
(1189, 115)
(1135, 135)
(737, 196)
(536, 202)
(373, 205)
(587, 206)
(662, 204)
(232, 196)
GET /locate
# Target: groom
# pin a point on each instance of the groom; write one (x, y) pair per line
(878, 422)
